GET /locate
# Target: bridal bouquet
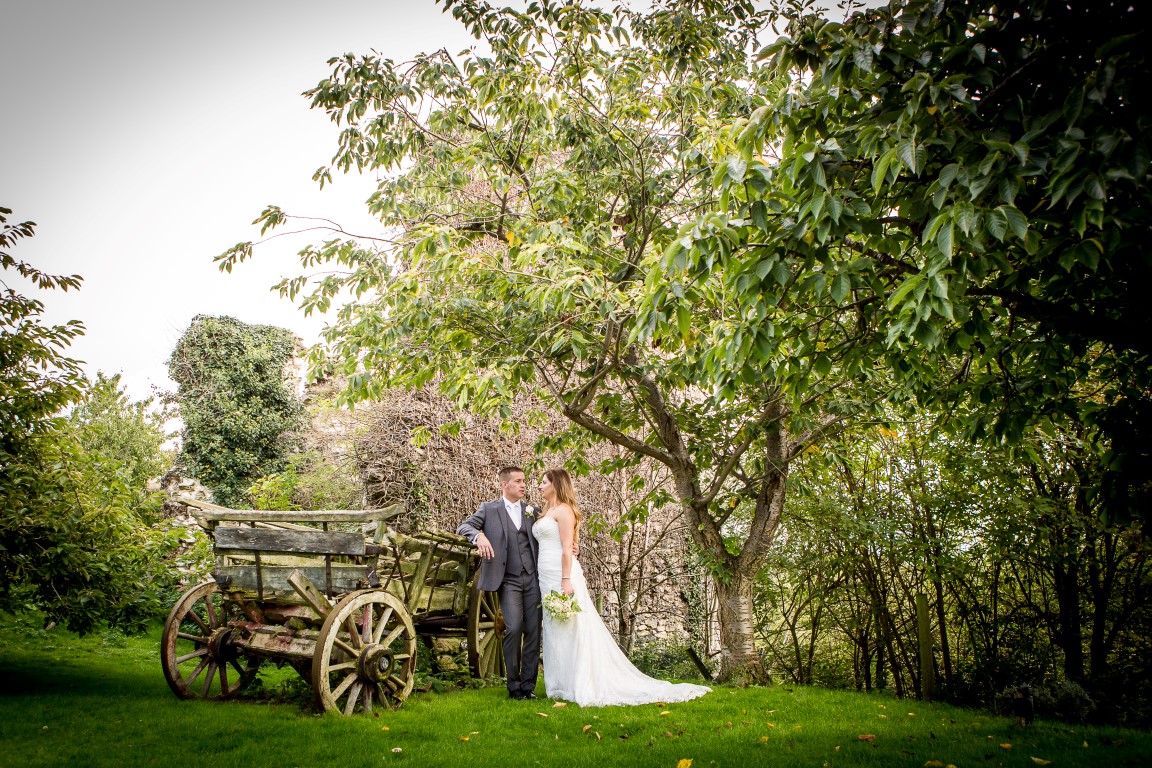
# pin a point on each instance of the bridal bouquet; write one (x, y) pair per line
(560, 606)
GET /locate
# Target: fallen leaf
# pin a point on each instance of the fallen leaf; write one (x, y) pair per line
(665, 712)
(396, 750)
(911, 714)
(559, 704)
(541, 714)
(882, 706)
(1085, 745)
(836, 748)
(934, 764)
(883, 716)
(770, 712)
(669, 734)
(385, 728)
(1005, 746)
(763, 739)
(1040, 761)
(770, 725)
(867, 737)
(585, 729)
(728, 724)
(475, 733)
(598, 736)
(463, 738)
(685, 763)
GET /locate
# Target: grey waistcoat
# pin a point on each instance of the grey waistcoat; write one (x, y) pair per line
(520, 558)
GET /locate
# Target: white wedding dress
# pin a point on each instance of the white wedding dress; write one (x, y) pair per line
(582, 662)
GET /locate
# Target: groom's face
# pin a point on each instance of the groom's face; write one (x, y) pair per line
(514, 487)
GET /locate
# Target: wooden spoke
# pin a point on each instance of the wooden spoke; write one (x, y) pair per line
(200, 622)
(353, 699)
(208, 679)
(194, 655)
(193, 638)
(366, 625)
(195, 648)
(199, 668)
(381, 626)
(395, 633)
(344, 686)
(346, 648)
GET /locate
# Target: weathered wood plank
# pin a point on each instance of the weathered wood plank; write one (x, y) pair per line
(276, 641)
(215, 512)
(345, 578)
(309, 593)
(298, 542)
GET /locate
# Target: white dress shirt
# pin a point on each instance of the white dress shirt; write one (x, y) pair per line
(513, 508)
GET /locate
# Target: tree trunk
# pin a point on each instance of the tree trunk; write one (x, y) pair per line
(739, 661)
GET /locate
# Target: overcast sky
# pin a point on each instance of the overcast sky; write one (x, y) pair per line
(143, 137)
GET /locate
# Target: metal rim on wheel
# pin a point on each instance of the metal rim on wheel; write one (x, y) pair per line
(198, 658)
(485, 634)
(365, 655)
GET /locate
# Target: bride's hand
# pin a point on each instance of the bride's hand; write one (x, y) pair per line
(566, 586)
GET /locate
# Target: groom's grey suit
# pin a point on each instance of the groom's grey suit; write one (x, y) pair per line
(511, 571)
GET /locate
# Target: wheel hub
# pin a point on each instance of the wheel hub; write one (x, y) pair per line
(220, 647)
(375, 663)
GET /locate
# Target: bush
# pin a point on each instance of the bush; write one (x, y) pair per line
(664, 659)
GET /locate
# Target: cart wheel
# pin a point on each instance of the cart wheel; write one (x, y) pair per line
(365, 655)
(199, 661)
(485, 634)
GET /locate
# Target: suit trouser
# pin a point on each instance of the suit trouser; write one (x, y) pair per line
(520, 604)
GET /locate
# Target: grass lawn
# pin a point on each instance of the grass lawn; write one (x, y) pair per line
(102, 701)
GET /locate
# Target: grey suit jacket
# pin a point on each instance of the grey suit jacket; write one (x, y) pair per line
(492, 520)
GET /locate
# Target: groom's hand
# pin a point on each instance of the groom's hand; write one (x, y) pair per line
(484, 546)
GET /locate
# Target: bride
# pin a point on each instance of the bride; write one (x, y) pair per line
(582, 662)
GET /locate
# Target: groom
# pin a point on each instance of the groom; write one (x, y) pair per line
(502, 533)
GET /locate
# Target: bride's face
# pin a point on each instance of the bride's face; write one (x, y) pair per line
(546, 489)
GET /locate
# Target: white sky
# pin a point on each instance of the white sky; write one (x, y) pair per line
(143, 137)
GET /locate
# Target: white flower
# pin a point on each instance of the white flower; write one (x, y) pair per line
(561, 607)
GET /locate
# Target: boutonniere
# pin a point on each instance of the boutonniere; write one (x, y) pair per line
(530, 511)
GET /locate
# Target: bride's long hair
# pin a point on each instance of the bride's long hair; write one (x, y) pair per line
(565, 494)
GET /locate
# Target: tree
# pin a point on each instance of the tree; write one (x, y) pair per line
(75, 534)
(973, 178)
(237, 397)
(130, 432)
(37, 381)
(530, 189)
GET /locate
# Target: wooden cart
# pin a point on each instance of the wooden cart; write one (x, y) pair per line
(345, 608)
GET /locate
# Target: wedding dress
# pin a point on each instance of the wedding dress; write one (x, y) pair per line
(582, 662)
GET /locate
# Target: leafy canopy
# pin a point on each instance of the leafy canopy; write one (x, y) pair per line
(973, 178)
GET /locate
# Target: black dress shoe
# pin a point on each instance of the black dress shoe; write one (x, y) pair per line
(529, 695)
(516, 695)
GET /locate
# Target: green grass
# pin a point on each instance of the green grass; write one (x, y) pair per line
(102, 701)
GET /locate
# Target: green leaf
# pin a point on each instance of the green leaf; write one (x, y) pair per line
(903, 290)
(841, 285)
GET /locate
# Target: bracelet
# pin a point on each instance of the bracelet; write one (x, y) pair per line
(565, 578)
